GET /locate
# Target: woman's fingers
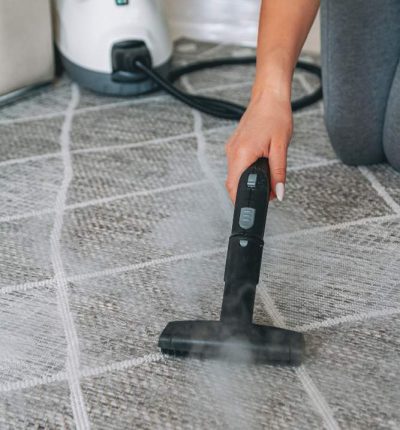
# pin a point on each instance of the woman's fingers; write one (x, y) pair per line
(277, 165)
(240, 157)
(264, 131)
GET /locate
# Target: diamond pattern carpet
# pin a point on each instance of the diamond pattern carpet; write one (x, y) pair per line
(114, 220)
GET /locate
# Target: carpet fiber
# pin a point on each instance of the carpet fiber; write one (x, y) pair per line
(114, 220)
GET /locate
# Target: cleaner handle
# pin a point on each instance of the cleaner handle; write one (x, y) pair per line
(252, 200)
(243, 261)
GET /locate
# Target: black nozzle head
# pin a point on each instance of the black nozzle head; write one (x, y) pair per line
(233, 341)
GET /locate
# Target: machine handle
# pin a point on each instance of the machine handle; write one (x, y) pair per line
(252, 197)
(243, 260)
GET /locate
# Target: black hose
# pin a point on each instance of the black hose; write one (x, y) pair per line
(217, 107)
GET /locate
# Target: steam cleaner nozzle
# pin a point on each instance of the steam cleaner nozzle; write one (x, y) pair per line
(235, 337)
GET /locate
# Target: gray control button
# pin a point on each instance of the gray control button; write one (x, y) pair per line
(252, 180)
(246, 218)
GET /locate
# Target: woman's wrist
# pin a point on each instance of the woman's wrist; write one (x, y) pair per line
(273, 77)
(272, 88)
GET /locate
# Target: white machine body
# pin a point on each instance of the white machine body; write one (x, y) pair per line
(87, 30)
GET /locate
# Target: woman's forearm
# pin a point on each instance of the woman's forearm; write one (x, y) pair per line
(265, 129)
(283, 28)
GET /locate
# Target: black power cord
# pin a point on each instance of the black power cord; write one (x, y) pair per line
(217, 107)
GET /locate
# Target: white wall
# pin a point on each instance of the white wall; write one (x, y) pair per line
(230, 21)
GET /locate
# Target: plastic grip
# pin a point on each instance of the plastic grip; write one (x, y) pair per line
(253, 197)
(243, 261)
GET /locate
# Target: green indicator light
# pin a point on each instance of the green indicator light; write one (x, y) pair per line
(122, 2)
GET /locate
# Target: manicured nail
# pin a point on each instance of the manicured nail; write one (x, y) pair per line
(280, 190)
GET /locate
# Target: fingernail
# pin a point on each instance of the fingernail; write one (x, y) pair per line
(280, 190)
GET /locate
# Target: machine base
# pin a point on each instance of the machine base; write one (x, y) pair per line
(103, 83)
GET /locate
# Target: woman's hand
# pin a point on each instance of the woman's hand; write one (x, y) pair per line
(265, 130)
(266, 127)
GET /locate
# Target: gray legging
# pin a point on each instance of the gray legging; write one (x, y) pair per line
(361, 79)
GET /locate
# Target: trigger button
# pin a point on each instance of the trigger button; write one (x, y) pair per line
(246, 218)
(252, 180)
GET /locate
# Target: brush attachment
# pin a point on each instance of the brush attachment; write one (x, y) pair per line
(232, 342)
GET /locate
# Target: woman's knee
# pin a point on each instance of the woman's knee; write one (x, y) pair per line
(356, 139)
(391, 139)
(392, 151)
(391, 131)
(391, 136)
(357, 69)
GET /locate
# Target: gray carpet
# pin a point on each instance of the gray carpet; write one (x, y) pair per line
(114, 220)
